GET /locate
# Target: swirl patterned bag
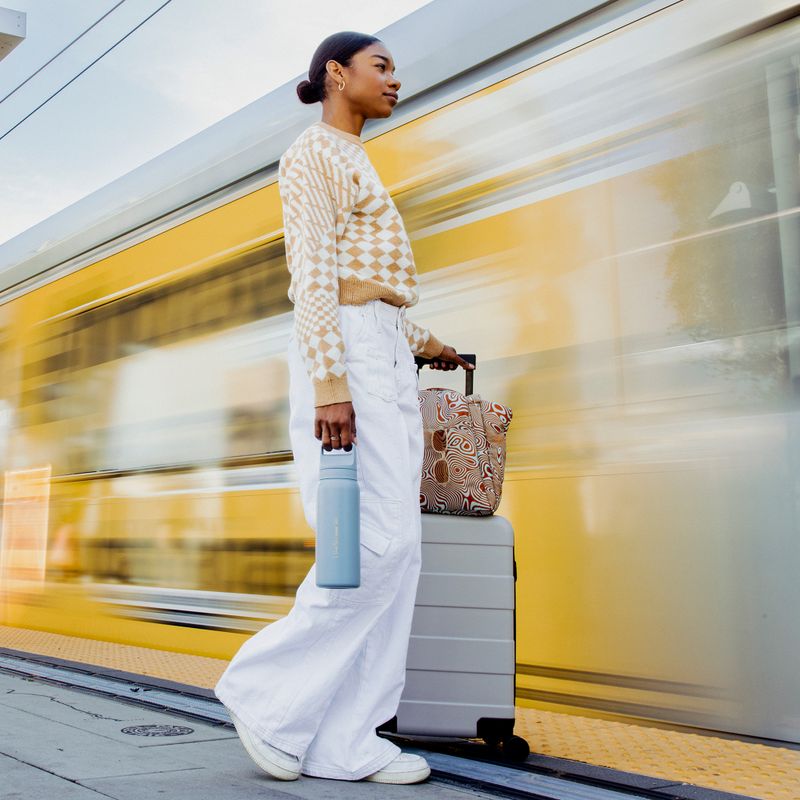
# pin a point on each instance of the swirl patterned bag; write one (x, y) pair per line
(465, 450)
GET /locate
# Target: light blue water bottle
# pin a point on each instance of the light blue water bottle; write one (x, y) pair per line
(338, 521)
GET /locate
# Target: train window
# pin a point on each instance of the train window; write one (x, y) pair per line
(175, 375)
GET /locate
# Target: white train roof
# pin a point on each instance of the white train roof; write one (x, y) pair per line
(447, 49)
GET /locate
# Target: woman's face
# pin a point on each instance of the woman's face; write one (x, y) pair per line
(370, 82)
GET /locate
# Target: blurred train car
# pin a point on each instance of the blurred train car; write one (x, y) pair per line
(603, 204)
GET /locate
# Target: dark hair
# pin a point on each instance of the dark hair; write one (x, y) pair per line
(339, 47)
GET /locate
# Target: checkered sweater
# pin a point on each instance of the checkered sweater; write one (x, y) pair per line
(345, 244)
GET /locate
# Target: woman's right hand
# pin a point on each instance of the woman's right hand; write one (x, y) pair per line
(335, 425)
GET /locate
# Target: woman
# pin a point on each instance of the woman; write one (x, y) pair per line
(307, 692)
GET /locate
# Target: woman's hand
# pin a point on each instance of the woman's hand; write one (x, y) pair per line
(449, 359)
(335, 424)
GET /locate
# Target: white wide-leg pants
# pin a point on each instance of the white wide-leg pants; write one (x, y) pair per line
(319, 681)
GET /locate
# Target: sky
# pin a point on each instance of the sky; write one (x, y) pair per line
(190, 64)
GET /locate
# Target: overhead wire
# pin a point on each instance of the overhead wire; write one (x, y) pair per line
(66, 47)
(88, 66)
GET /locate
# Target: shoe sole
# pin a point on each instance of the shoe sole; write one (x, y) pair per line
(400, 777)
(271, 767)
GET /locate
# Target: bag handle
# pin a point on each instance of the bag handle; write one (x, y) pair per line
(470, 357)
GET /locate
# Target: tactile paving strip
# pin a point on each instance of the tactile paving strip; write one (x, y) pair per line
(179, 667)
(724, 764)
(772, 773)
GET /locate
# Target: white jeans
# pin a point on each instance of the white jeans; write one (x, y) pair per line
(317, 682)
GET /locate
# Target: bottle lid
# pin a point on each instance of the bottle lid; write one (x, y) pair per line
(337, 463)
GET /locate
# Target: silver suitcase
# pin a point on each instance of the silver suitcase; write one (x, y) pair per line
(460, 671)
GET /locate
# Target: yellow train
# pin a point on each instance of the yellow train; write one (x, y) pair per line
(603, 205)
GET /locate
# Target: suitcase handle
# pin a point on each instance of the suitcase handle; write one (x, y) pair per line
(470, 357)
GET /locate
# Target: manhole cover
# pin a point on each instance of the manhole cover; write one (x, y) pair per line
(158, 730)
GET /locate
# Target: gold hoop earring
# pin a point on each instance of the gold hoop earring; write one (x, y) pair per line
(342, 86)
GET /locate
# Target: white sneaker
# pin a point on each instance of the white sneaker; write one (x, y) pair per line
(278, 763)
(406, 768)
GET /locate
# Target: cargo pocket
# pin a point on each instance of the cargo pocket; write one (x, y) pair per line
(380, 380)
(373, 539)
(379, 527)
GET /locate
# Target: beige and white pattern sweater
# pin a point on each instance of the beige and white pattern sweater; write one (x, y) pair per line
(345, 244)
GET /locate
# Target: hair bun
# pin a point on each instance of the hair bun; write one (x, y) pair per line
(307, 92)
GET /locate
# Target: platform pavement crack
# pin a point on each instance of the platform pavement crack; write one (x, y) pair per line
(60, 777)
(69, 705)
(189, 741)
(144, 774)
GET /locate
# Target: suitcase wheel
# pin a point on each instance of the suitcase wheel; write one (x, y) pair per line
(516, 748)
(496, 732)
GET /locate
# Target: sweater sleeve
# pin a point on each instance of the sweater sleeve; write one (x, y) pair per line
(422, 341)
(317, 196)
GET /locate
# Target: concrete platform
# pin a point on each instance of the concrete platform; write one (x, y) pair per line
(64, 743)
(686, 764)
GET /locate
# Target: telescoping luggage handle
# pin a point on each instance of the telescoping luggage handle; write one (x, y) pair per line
(421, 362)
